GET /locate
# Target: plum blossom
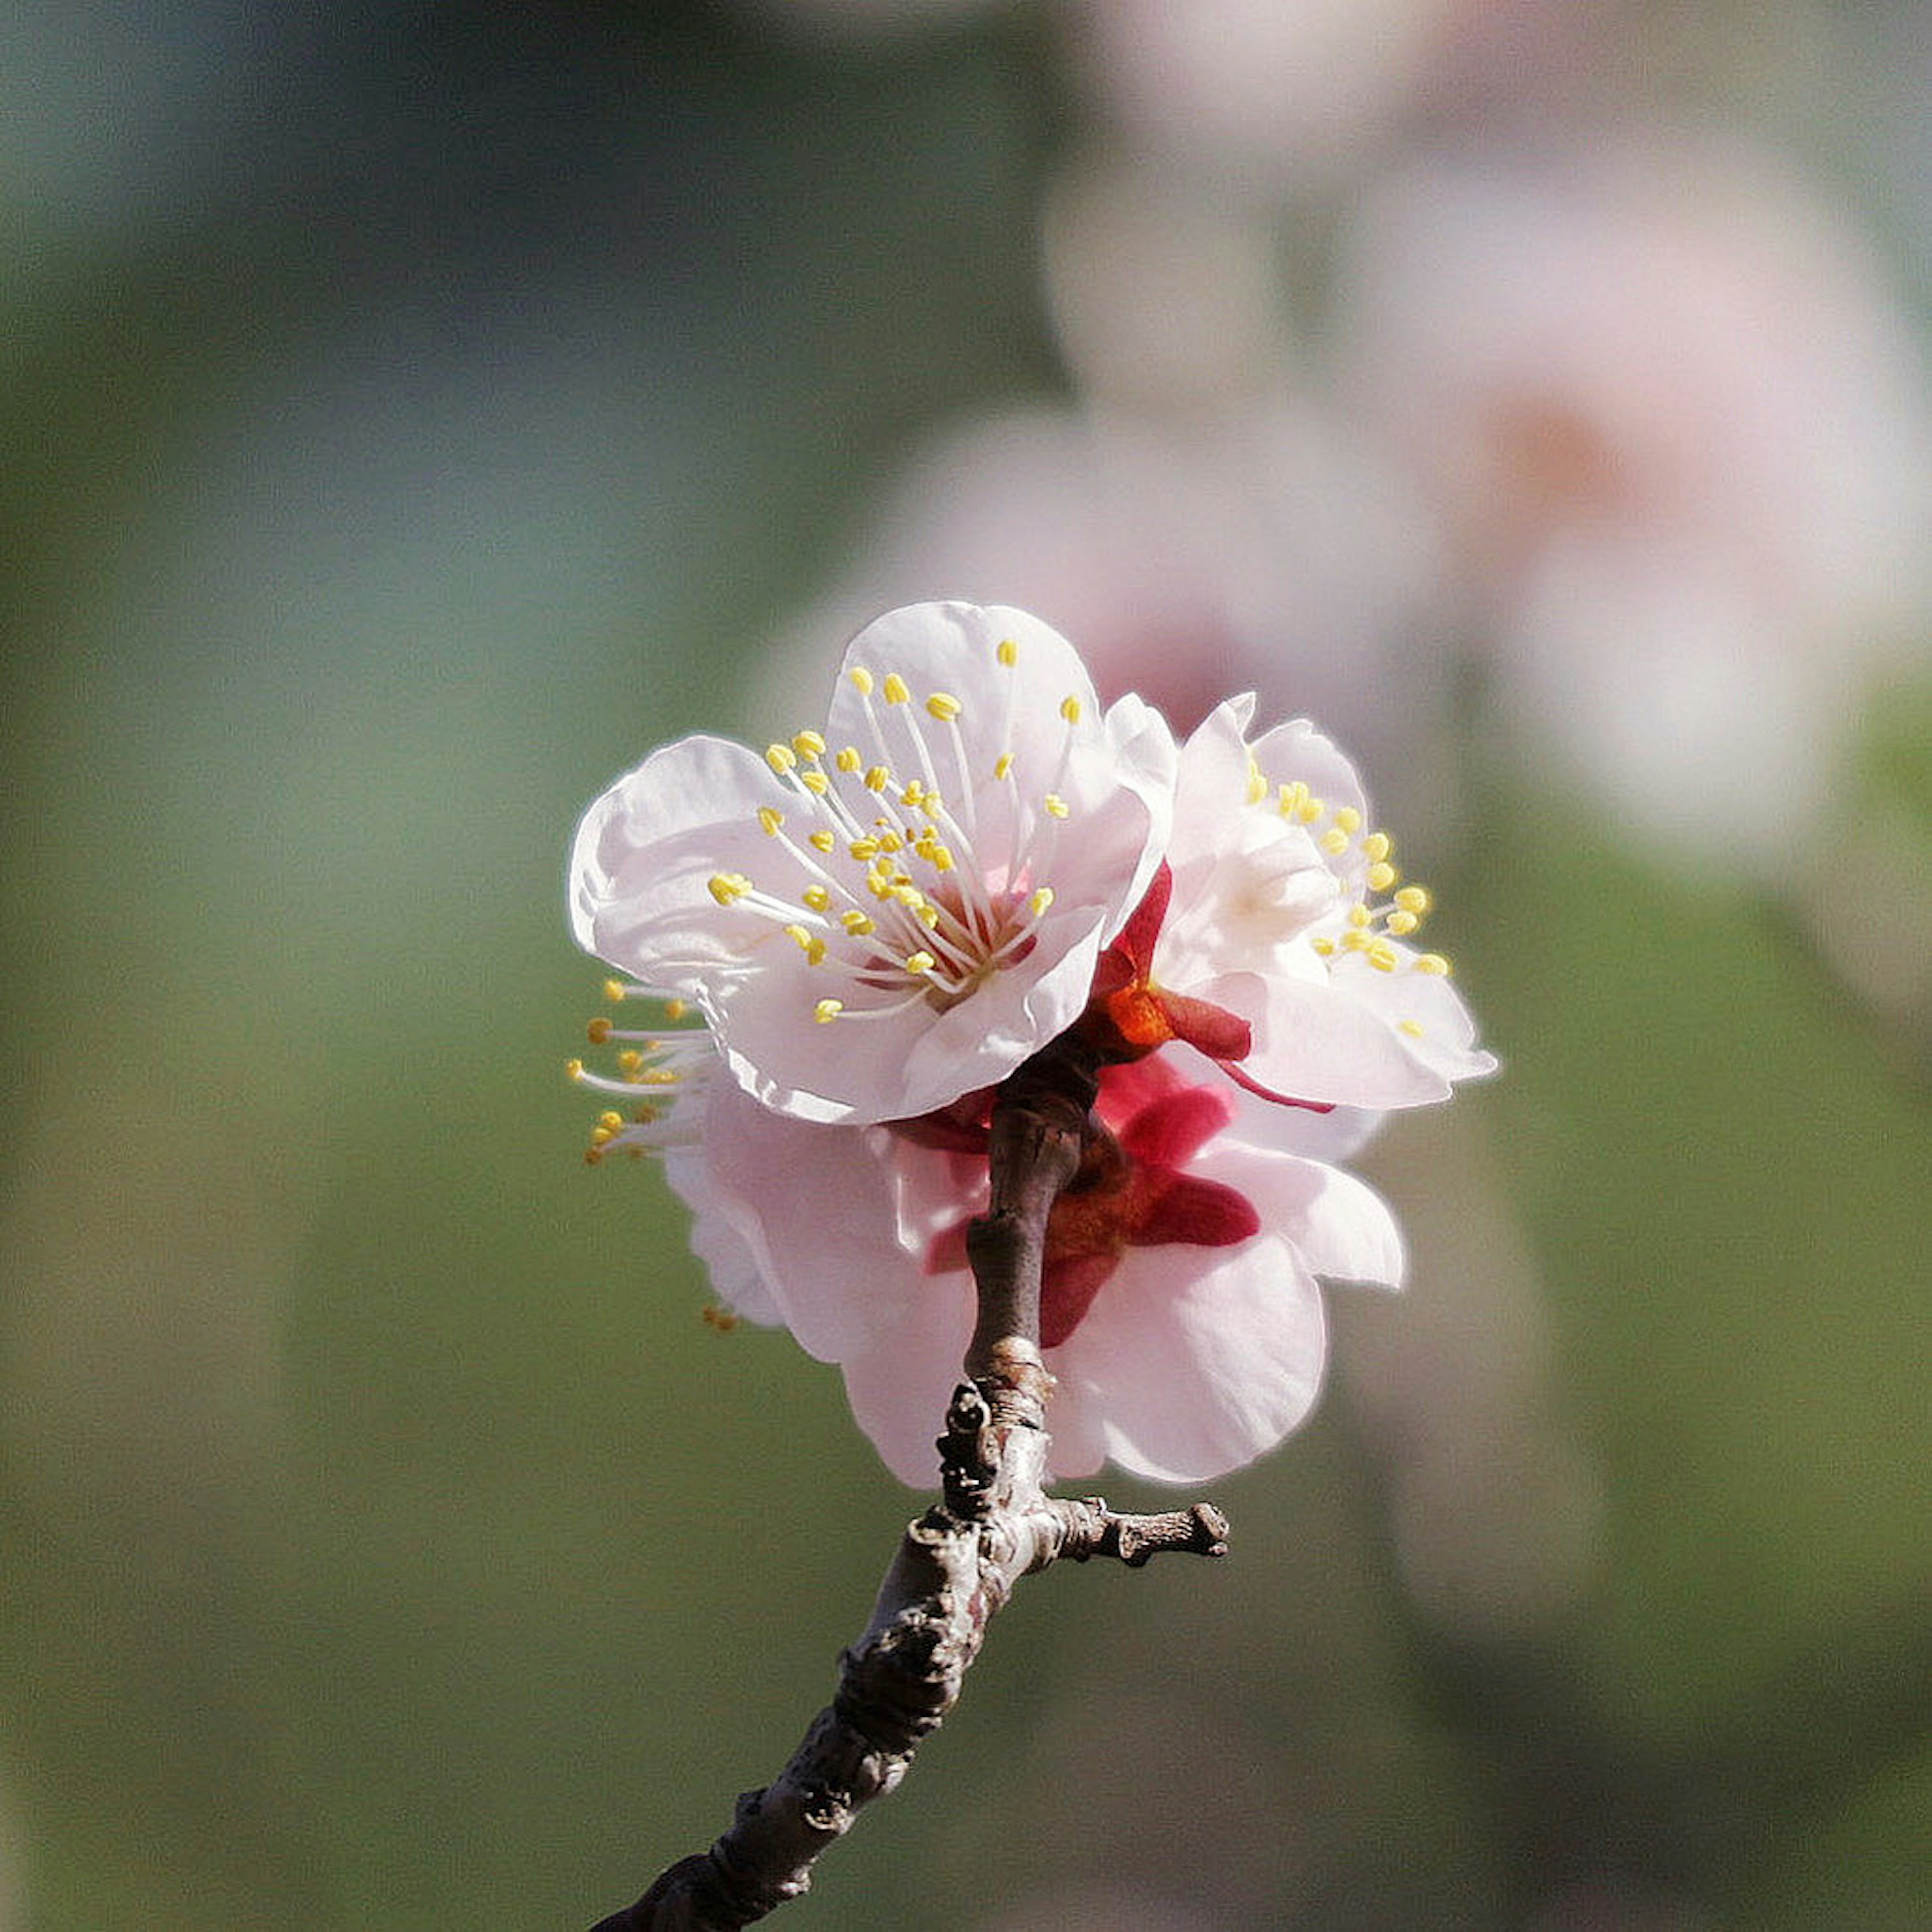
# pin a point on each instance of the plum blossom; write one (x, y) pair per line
(1240, 970)
(1276, 938)
(876, 918)
(1181, 1314)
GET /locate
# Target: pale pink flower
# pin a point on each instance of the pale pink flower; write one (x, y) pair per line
(877, 918)
(1276, 938)
(1181, 1315)
(1674, 428)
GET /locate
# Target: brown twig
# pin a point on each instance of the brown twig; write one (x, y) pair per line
(957, 1564)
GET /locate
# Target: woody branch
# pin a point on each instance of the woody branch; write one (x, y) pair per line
(958, 1562)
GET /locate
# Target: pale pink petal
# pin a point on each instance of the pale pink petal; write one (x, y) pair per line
(1192, 1361)
(900, 1384)
(1340, 1226)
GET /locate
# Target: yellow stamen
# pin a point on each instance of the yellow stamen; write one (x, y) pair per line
(848, 759)
(822, 841)
(856, 922)
(1381, 875)
(1003, 764)
(728, 888)
(896, 690)
(1007, 652)
(808, 745)
(1040, 901)
(1413, 898)
(920, 962)
(1412, 1027)
(1069, 708)
(769, 819)
(613, 990)
(878, 778)
(943, 706)
(1056, 805)
(1348, 819)
(827, 1010)
(1377, 847)
(597, 1032)
(862, 680)
(1434, 964)
(1334, 841)
(818, 898)
(781, 758)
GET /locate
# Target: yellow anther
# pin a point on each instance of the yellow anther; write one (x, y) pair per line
(906, 893)
(1414, 899)
(878, 778)
(1069, 708)
(862, 680)
(815, 782)
(1310, 807)
(1003, 764)
(855, 922)
(1401, 923)
(897, 692)
(781, 758)
(1348, 819)
(1055, 805)
(863, 849)
(943, 706)
(928, 915)
(614, 991)
(809, 943)
(848, 759)
(1042, 898)
(1334, 841)
(808, 745)
(1432, 963)
(574, 1068)
(630, 1063)
(1324, 946)
(769, 819)
(602, 1135)
(935, 855)
(920, 962)
(1377, 847)
(1381, 876)
(827, 1010)
(1354, 940)
(1007, 652)
(658, 1076)
(1291, 799)
(1359, 915)
(728, 888)
(822, 841)
(1411, 1028)
(913, 794)
(597, 1032)
(816, 897)
(1257, 783)
(676, 1010)
(1381, 956)
(891, 841)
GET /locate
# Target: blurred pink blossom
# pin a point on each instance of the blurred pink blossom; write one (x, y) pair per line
(1674, 429)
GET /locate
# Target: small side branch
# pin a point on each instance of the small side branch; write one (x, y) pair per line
(957, 1564)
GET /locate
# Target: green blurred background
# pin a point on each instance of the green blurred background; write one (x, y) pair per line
(413, 414)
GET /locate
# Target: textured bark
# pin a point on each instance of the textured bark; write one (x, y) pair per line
(957, 1564)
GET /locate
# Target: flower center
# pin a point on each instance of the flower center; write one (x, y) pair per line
(1380, 908)
(899, 893)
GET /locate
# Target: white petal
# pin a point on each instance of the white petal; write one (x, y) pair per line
(813, 1206)
(1340, 1226)
(1193, 1361)
(900, 1386)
